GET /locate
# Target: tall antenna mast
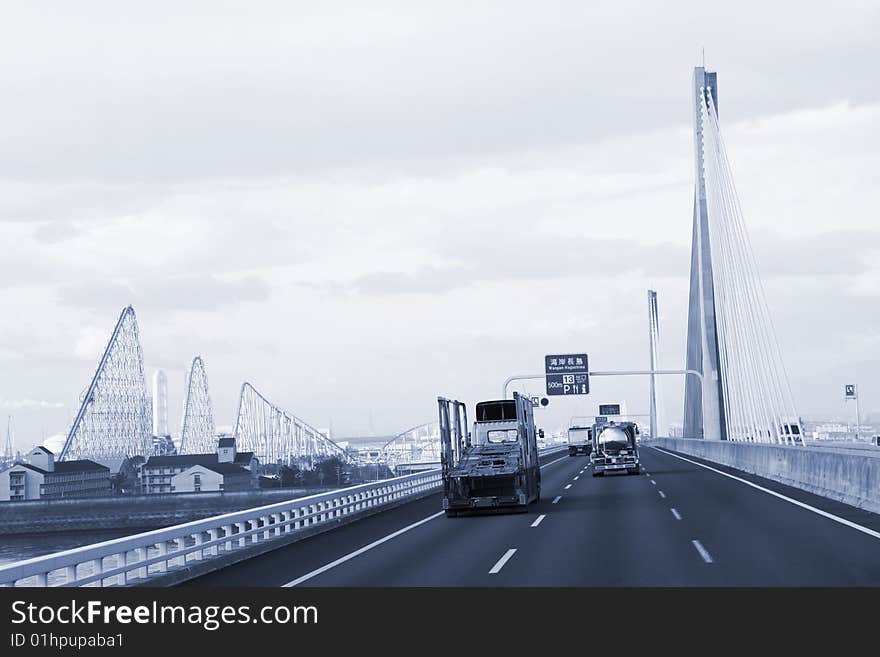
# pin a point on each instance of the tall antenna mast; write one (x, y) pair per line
(7, 451)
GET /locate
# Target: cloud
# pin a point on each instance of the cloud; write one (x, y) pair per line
(27, 404)
(527, 256)
(55, 231)
(192, 293)
(360, 218)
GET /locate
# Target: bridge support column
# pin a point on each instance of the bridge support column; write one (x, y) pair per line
(97, 569)
(227, 532)
(214, 534)
(241, 529)
(199, 539)
(140, 554)
(703, 408)
(70, 574)
(179, 544)
(121, 562)
(162, 548)
(266, 530)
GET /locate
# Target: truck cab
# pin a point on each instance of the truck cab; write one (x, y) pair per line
(614, 448)
(580, 440)
(495, 466)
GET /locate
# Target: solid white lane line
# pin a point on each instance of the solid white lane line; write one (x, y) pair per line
(503, 560)
(552, 462)
(703, 551)
(558, 497)
(824, 514)
(539, 519)
(567, 487)
(653, 482)
(662, 494)
(676, 514)
(576, 478)
(360, 551)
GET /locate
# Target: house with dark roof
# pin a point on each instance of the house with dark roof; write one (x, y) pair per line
(38, 476)
(227, 469)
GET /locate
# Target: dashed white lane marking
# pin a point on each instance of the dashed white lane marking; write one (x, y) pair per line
(567, 487)
(360, 551)
(503, 560)
(378, 542)
(824, 514)
(558, 497)
(576, 478)
(662, 494)
(703, 551)
(676, 514)
(539, 519)
(653, 482)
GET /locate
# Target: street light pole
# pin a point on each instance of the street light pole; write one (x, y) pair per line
(858, 415)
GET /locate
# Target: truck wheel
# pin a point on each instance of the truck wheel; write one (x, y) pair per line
(597, 474)
(451, 514)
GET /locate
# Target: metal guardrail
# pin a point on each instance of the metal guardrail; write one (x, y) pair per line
(137, 558)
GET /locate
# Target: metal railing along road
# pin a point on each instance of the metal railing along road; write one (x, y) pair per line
(137, 558)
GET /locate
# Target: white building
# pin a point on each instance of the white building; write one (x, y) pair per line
(38, 476)
(227, 469)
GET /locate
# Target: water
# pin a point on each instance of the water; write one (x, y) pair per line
(27, 546)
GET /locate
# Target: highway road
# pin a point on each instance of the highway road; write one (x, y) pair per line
(681, 522)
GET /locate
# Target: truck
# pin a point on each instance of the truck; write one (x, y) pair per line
(580, 440)
(615, 448)
(494, 467)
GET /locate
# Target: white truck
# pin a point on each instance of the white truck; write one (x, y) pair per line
(580, 440)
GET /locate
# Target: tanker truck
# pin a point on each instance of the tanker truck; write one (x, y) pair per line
(614, 448)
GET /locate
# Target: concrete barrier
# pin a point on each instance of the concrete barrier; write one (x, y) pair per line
(843, 476)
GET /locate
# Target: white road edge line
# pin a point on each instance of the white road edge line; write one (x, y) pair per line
(360, 551)
(567, 487)
(503, 560)
(662, 494)
(676, 514)
(803, 505)
(377, 543)
(539, 519)
(558, 497)
(703, 551)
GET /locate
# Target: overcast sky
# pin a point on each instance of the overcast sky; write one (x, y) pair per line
(359, 206)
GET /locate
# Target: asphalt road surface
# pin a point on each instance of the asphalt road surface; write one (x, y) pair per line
(681, 522)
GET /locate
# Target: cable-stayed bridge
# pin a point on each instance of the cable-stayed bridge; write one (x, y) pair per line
(740, 500)
(744, 393)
